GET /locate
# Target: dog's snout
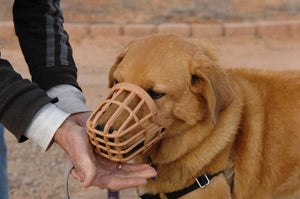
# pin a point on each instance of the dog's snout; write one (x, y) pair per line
(100, 127)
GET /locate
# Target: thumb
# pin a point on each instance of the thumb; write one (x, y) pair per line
(89, 174)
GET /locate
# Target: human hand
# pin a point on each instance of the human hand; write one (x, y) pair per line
(92, 169)
(80, 118)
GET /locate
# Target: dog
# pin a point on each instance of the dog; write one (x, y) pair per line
(230, 133)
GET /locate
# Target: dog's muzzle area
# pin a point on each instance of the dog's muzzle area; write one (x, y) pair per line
(124, 124)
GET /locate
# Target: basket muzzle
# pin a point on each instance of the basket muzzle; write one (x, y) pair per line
(125, 123)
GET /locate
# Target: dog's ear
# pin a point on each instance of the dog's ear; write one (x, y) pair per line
(114, 67)
(206, 49)
(210, 82)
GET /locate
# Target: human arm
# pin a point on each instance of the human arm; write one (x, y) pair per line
(90, 168)
(20, 100)
(25, 101)
(48, 72)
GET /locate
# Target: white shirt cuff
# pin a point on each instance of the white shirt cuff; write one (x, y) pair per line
(70, 99)
(45, 124)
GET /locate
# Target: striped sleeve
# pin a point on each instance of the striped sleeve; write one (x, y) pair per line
(44, 42)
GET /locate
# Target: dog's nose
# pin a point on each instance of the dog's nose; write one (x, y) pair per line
(100, 127)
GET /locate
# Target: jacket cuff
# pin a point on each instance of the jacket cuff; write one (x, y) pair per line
(45, 124)
(70, 98)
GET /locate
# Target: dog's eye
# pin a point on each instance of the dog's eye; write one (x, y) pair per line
(115, 82)
(195, 79)
(155, 95)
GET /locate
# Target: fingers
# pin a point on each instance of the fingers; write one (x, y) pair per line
(117, 183)
(137, 170)
(89, 177)
(76, 175)
(127, 176)
(115, 176)
(117, 179)
(131, 170)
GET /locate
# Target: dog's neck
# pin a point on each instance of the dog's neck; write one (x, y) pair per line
(209, 152)
(193, 142)
(179, 140)
(186, 169)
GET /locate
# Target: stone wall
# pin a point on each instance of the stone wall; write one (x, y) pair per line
(144, 11)
(168, 11)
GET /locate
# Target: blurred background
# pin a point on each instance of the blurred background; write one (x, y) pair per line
(162, 11)
(34, 174)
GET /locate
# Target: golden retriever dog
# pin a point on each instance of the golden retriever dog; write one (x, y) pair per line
(230, 133)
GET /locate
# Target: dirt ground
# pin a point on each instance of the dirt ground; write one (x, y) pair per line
(34, 174)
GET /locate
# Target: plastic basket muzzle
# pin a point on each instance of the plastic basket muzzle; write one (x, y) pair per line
(124, 125)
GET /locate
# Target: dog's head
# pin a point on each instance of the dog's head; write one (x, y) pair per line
(185, 83)
(182, 78)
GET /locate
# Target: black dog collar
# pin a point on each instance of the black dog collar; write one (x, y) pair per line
(200, 182)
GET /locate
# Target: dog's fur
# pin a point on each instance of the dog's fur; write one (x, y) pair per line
(241, 120)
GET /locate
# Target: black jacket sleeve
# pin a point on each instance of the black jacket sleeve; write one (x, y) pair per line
(44, 42)
(20, 99)
(45, 46)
